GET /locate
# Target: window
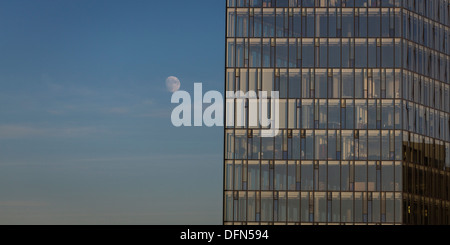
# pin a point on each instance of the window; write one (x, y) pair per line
(361, 145)
(322, 114)
(308, 52)
(347, 207)
(280, 175)
(307, 79)
(387, 114)
(387, 176)
(334, 117)
(372, 114)
(335, 52)
(347, 145)
(255, 53)
(266, 206)
(372, 52)
(347, 22)
(374, 22)
(347, 50)
(332, 145)
(374, 145)
(334, 176)
(320, 207)
(348, 118)
(268, 22)
(362, 24)
(307, 174)
(360, 176)
(360, 83)
(322, 22)
(323, 53)
(361, 52)
(280, 22)
(242, 23)
(321, 145)
(294, 83)
(293, 211)
(253, 175)
(321, 83)
(345, 176)
(387, 53)
(334, 86)
(347, 83)
(361, 114)
(282, 52)
(332, 22)
(308, 114)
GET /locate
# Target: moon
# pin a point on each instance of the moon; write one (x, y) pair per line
(173, 84)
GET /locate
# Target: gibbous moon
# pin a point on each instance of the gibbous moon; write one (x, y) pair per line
(173, 84)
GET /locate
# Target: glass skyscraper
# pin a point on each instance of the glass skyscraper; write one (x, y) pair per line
(364, 112)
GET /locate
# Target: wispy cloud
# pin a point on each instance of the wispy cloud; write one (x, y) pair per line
(22, 204)
(20, 131)
(78, 99)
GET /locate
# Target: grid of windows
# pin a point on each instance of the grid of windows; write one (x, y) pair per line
(364, 112)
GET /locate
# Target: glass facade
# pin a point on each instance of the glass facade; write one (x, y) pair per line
(364, 112)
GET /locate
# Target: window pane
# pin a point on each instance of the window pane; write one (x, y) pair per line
(305, 207)
(253, 175)
(360, 176)
(332, 22)
(280, 175)
(388, 53)
(307, 174)
(323, 114)
(321, 22)
(293, 212)
(320, 207)
(336, 207)
(361, 52)
(334, 86)
(334, 59)
(347, 83)
(346, 207)
(388, 114)
(374, 22)
(360, 83)
(347, 22)
(347, 145)
(362, 21)
(387, 176)
(334, 115)
(349, 115)
(345, 176)
(321, 145)
(266, 206)
(268, 22)
(323, 56)
(361, 113)
(308, 114)
(321, 83)
(307, 77)
(294, 83)
(334, 176)
(282, 52)
(374, 145)
(308, 52)
(372, 176)
(255, 53)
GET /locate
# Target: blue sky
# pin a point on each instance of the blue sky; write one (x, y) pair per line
(85, 131)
